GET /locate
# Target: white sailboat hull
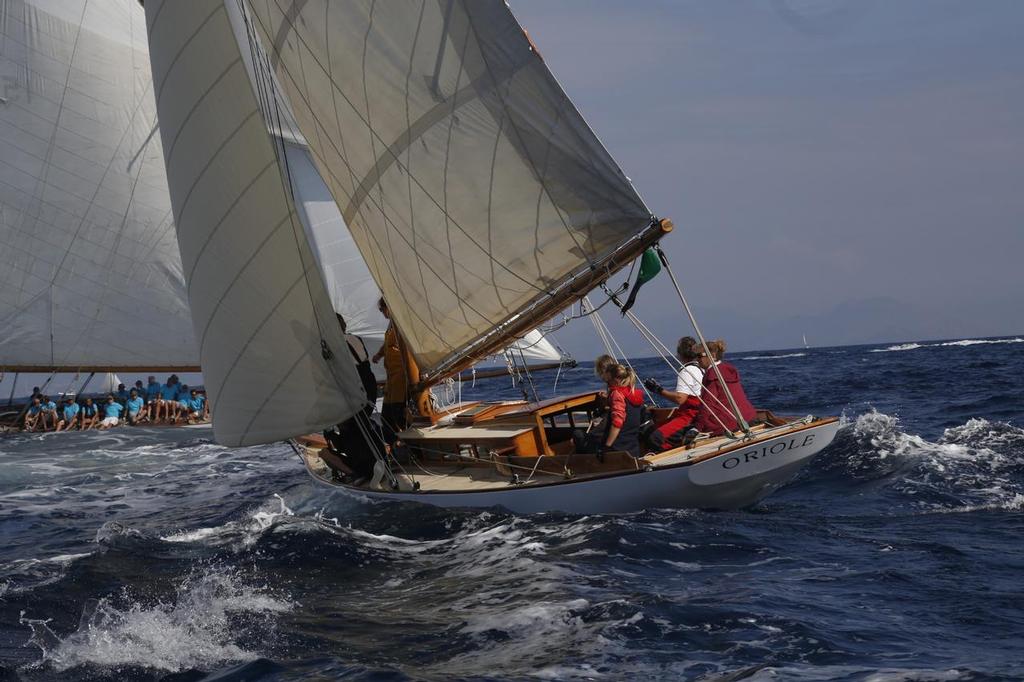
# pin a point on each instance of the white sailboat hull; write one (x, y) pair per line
(736, 478)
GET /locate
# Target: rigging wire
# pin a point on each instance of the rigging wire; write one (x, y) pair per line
(529, 376)
(607, 335)
(693, 320)
(655, 343)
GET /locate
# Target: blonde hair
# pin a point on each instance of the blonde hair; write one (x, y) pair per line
(717, 348)
(602, 364)
(621, 375)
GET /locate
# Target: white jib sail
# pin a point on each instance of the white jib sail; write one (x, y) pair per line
(535, 346)
(470, 183)
(272, 353)
(89, 268)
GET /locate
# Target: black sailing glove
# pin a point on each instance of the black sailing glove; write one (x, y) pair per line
(653, 386)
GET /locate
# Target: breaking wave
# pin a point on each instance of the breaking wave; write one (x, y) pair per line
(898, 347)
(964, 342)
(203, 624)
(975, 466)
(772, 357)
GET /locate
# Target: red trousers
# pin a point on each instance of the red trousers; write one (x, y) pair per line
(670, 434)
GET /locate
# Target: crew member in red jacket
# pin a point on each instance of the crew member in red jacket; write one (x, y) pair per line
(621, 429)
(716, 414)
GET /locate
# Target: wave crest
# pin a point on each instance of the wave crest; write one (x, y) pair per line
(200, 628)
(772, 357)
(977, 465)
(963, 342)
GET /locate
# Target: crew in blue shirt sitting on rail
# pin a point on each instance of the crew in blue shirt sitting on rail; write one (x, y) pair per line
(49, 413)
(194, 407)
(153, 388)
(69, 415)
(135, 408)
(111, 413)
(168, 403)
(34, 414)
(90, 415)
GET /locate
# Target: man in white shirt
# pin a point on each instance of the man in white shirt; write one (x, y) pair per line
(676, 430)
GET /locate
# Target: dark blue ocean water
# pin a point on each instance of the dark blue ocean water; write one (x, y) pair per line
(897, 555)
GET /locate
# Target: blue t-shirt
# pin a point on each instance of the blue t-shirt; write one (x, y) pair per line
(35, 409)
(89, 410)
(50, 405)
(135, 404)
(153, 389)
(196, 404)
(169, 392)
(112, 409)
(70, 411)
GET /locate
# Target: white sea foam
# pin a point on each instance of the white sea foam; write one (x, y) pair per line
(198, 629)
(25, 575)
(976, 342)
(972, 466)
(899, 347)
(772, 357)
(964, 342)
(245, 532)
(799, 672)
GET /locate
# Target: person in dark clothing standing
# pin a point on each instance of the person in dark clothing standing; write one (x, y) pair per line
(353, 442)
(363, 366)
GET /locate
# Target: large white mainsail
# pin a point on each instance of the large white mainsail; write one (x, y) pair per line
(350, 285)
(272, 353)
(475, 191)
(90, 275)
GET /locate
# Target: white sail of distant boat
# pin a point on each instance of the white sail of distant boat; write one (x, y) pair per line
(806, 345)
(90, 277)
(481, 204)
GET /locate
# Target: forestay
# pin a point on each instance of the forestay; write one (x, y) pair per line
(90, 275)
(272, 353)
(471, 185)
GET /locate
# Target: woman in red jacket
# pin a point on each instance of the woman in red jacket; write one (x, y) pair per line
(716, 415)
(621, 429)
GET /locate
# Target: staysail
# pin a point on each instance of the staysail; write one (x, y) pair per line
(90, 277)
(479, 198)
(272, 353)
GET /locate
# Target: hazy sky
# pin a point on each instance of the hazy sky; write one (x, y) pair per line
(812, 153)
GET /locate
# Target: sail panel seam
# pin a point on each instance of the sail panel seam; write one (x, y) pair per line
(241, 353)
(159, 89)
(419, 184)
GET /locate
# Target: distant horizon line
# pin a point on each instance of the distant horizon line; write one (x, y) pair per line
(846, 345)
